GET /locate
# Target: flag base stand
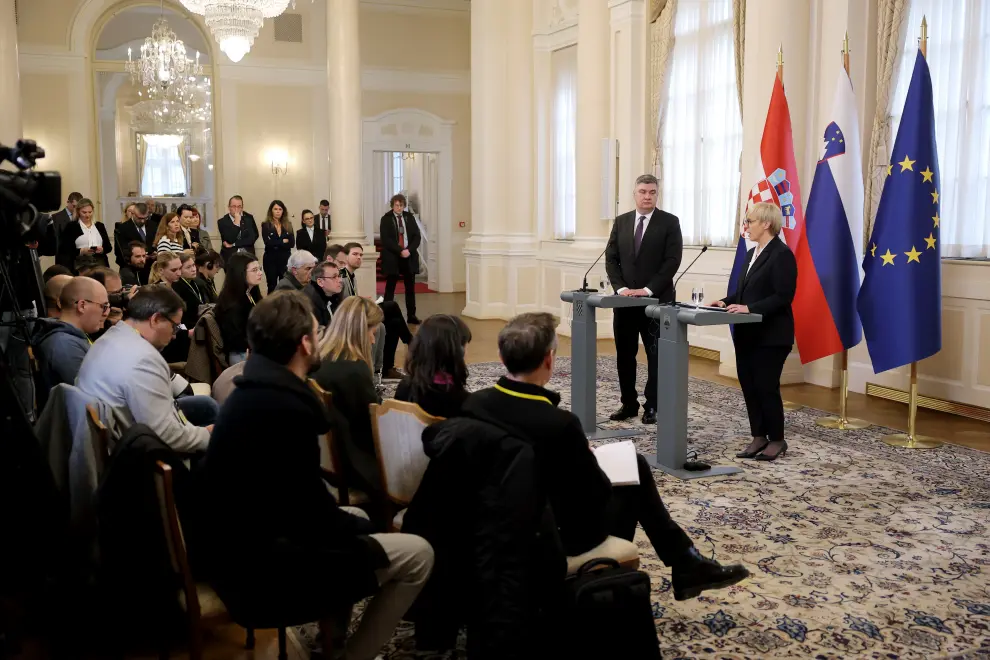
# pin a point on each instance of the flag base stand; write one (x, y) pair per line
(909, 441)
(791, 406)
(912, 440)
(842, 424)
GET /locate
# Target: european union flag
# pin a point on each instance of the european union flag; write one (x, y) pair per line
(900, 302)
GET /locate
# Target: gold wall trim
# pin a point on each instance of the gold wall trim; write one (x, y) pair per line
(961, 409)
(706, 353)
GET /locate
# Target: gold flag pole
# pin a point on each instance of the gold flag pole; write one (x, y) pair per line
(912, 440)
(842, 422)
(789, 406)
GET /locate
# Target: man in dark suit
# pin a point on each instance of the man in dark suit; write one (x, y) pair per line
(61, 219)
(641, 259)
(400, 253)
(310, 237)
(323, 220)
(238, 230)
(138, 229)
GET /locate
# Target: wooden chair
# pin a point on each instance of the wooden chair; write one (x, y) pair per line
(330, 458)
(397, 427)
(101, 438)
(623, 551)
(200, 601)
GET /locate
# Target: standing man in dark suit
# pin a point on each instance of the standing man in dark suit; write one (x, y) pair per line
(322, 221)
(62, 219)
(137, 229)
(400, 253)
(641, 259)
(310, 237)
(238, 230)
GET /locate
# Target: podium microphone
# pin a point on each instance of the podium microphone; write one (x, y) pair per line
(704, 248)
(584, 280)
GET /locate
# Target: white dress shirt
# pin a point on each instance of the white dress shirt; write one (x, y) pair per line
(309, 230)
(756, 255)
(646, 225)
(90, 237)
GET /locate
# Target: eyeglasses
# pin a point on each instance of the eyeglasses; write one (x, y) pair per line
(329, 277)
(104, 306)
(254, 270)
(175, 326)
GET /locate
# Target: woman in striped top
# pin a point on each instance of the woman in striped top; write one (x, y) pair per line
(170, 237)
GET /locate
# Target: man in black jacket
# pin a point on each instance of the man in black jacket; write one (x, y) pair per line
(323, 291)
(400, 253)
(586, 507)
(270, 509)
(641, 259)
(138, 229)
(238, 230)
(134, 272)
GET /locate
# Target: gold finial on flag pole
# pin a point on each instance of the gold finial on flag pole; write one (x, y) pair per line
(780, 62)
(923, 39)
(845, 53)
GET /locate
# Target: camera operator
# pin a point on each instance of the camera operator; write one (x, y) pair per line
(117, 295)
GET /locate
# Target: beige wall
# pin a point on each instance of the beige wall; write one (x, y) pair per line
(46, 119)
(413, 41)
(45, 21)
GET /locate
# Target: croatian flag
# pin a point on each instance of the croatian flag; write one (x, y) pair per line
(835, 220)
(775, 180)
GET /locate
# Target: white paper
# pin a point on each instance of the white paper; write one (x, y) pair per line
(618, 462)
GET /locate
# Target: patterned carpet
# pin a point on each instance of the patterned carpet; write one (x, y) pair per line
(857, 549)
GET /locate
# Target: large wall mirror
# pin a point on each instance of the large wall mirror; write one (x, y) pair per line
(155, 126)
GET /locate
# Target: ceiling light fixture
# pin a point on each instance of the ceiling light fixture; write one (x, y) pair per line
(236, 23)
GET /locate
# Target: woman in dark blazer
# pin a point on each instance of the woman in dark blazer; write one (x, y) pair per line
(346, 372)
(311, 238)
(237, 298)
(436, 374)
(84, 236)
(276, 232)
(766, 287)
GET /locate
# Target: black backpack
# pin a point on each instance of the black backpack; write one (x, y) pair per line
(607, 613)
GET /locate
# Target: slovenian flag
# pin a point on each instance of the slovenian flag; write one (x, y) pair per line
(835, 220)
(776, 180)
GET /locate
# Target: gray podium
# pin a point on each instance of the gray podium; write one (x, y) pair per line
(672, 383)
(584, 358)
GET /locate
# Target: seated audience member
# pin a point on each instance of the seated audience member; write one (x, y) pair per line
(324, 291)
(394, 327)
(134, 272)
(239, 295)
(86, 264)
(586, 507)
(298, 271)
(436, 375)
(346, 373)
(53, 289)
(63, 343)
(208, 264)
(57, 269)
(126, 370)
(224, 385)
(169, 237)
(116, 295)
(270, 511)
(167, 271)
(192, 296)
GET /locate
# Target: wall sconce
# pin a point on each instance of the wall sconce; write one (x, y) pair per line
(279, 160)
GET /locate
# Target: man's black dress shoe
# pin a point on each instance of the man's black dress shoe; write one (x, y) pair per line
(649, 416)
(701, 574)
(623, 414)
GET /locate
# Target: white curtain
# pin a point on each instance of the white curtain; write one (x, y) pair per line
(563, 64)
(701, 138)
(959, 60)
(163, 172)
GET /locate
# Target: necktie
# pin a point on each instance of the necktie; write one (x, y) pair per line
(141, 231)
(402, 231)
(638, 240)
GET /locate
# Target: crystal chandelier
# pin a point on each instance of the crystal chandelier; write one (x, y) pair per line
(163, 62)
(235, 23)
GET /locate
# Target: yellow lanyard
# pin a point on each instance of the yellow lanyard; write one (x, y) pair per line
(533, 397)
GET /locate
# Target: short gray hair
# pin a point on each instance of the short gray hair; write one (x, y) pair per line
(301, 259)
(647, 179)
(766, 212)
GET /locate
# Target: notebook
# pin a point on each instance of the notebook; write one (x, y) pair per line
(618, 462)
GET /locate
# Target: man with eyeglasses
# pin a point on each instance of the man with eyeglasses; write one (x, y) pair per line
(126, 370)
(138, 229)
(63, 343)
(324, 291)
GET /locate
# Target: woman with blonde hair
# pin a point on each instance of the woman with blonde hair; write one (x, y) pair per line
(346, 372)
(85, 236)
(766, 287)
(169, 237)
(166, 269)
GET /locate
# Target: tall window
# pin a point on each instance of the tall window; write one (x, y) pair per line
(163, 171)
(702, 132)
(397, 173)
(563, 64)
(959, 60)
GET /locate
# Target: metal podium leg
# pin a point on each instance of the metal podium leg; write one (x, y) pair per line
(672, 402)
